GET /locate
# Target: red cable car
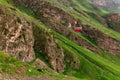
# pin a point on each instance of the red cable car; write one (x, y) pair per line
(78, 29)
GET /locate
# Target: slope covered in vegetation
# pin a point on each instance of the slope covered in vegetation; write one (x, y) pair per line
(58, 49)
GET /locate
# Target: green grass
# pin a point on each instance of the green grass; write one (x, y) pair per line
(26, 10)
(8, 64)
(117, 11)
(98, 60)
(88, 70)
(113, 58)
(5, 3)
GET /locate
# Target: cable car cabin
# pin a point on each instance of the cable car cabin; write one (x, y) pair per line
(78, 29)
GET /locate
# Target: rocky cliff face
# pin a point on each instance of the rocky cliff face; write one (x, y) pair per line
(19, 38)
(46, 44)
(16, 36)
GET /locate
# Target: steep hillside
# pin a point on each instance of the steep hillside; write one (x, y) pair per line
(59, 20)
(39, 33)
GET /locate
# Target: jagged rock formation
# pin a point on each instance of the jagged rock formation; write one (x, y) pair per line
(45, 43)
(16, 37)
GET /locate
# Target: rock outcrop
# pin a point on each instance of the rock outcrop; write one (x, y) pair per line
(19, 38)
(107, 43)
(16, 37)
(46, 44)
(113, 21)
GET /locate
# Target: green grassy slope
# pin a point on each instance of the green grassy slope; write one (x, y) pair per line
(12, 66)
(96, 59)
(86, 19)
(8, 64)
(88, 70)
(83, 16)
(92, 66)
